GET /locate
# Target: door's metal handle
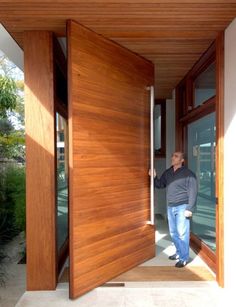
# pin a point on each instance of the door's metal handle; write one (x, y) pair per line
(151, 89)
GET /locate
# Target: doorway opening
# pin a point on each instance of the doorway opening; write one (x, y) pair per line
(160, 268)
(164, 247)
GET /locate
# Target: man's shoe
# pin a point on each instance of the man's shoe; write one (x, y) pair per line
(181, 264)
(174, 257)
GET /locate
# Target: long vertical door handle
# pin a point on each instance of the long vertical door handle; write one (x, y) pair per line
(151, 89)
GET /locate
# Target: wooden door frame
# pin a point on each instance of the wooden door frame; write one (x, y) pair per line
(214, 260)
(61, 107)
(220, 159)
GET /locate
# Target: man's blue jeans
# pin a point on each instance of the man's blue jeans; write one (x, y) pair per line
(179, 227)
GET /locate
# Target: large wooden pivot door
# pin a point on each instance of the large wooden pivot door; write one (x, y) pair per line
(109, 159)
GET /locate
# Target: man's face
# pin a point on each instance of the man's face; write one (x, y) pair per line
(177, 159)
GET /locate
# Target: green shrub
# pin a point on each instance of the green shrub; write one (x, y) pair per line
(7, 217)
(12, 199)
(15, 190)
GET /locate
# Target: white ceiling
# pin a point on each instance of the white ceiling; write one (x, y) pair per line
(11, 48)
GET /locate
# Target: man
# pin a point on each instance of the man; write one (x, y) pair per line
(181, 194)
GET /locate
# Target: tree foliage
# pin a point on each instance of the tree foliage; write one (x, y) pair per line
(8, 95)
(12, 134)
(12, 140)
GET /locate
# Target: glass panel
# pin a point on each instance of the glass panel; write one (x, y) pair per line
(157, 118)
(62, 180)
(201, 160)
(205, 85)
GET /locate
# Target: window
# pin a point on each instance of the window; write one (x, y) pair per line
(205, 85)
(198, 87)
(201, 160)
(196, 134)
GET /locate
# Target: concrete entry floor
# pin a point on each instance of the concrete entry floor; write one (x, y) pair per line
(139, 294)
(163, 296)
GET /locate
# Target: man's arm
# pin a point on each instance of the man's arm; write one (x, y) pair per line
(160, 183)
(192, 193)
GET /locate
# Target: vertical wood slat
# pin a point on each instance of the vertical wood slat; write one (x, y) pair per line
(220, 159)
(40, 162)
(109, 159)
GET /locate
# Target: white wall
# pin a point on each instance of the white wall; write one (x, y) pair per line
(11, 49)
(230, 156)
(160, 194)
(161, 164)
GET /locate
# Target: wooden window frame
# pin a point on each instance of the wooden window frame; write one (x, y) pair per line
(187, 114)
(208, 58)
(205, 61)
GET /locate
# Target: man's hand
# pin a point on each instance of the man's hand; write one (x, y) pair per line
(188, 213)
(154, 173)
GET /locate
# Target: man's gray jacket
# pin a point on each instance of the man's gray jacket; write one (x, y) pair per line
(181, 186)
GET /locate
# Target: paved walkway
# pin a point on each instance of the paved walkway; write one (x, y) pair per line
(15, 283)
(163, 296)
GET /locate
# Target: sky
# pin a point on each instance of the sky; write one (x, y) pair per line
(16, 73)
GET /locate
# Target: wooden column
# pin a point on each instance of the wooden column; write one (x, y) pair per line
(40, 162)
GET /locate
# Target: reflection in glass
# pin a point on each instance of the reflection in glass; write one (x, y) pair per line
(62, 180)
(205, 85)
(201, 160)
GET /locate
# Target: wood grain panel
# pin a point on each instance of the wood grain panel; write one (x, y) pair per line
(40, 163)
(162, 31)
(156, 273)
(128, 1)
(214, 54)
(165, 273)
(109, 159)
(201, 249)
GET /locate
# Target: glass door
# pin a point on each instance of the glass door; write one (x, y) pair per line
(201, 160)
(62, 180)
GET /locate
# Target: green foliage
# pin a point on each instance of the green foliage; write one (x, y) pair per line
(12, 142)
(12, 134)
(12, 209)
(12, 197)
(15, 191)
(19, 111)
(8, 95)
(19, 197)
(6, 127)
